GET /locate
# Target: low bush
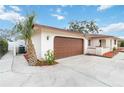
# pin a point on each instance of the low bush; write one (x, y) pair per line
(3, 47)
(48, 61)
(50, 57)
(122, 44)
(114, 49)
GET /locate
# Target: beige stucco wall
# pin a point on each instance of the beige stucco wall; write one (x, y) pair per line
(42, 45)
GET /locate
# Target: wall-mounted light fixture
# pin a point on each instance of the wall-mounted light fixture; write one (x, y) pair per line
(48, 37)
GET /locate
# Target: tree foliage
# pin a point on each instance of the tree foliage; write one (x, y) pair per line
(3, 47)
(24, 27)
(5, 34)
(85, 27)
(122, 44)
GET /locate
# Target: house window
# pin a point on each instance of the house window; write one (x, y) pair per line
(115, 42)
(100, 42)
(47, 37)
(89, 42)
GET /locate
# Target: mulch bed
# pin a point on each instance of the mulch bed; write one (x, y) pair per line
(107, 55)
(97, 55)
(41, 62)
(110, 54)
(26, 56)
(44, 63)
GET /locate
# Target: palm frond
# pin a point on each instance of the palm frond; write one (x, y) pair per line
(25, 27)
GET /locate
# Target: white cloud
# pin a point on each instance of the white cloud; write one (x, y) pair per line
(2, 8)
(59, 13)
(10, 15)
(122, 37)
(104, 7)
(58, 10)
(114, 27)
(59, 17)
(15, 8)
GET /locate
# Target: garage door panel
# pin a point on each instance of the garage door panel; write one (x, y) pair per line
(64, 47)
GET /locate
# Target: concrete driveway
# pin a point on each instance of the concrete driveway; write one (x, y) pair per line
(82, 70)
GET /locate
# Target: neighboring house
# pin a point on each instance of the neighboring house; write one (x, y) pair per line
(14, 45)
(66, 43)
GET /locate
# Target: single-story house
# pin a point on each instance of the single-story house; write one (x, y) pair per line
(16, 43)
(14, 46)
(66, 43)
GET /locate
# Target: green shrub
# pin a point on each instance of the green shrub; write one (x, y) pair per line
(114, 49)
(50, 57)
(122, 44)
(3, 47)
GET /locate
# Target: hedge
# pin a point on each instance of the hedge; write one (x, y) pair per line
(122, 44)
(3, 47)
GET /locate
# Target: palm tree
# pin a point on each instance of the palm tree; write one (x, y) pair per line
(25, 29)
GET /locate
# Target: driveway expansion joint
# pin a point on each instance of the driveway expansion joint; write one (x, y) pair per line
(28, 78)
(89, 76)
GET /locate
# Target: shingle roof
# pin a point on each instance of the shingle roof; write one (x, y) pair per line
(58, 29)
(101, 36)
(88, 35)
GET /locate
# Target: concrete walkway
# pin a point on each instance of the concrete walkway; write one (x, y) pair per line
(5, 62)
(76, 71)
(9, 78)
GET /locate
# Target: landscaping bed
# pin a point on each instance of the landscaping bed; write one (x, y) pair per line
(110, 54)
(50, 60)
(44, 63)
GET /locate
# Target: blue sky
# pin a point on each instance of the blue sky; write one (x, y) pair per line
(109, 18)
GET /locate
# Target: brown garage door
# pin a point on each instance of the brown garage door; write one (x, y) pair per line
(65, 47)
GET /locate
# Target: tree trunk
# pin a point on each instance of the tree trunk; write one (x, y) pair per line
(31, 53)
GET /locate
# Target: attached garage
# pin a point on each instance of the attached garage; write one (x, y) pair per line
(64, 43)
(65, 46)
